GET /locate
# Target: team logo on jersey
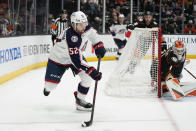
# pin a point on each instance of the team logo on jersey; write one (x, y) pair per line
(122, 31)
(74, 38)
(174, 59)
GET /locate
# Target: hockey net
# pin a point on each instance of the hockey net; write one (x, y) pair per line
(134, 74)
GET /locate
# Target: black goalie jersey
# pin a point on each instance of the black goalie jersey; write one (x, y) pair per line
(170, 63)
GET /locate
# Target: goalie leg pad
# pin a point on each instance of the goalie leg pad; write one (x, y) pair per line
(174, 87)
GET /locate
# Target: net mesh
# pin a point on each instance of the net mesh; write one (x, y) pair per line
(135, 73)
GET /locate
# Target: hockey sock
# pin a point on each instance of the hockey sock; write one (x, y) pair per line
(50, 86)
(82, 91)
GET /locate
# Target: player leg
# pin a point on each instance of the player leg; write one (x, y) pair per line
(174, 87)
(80, 94)
(54, 72)
(120, 44)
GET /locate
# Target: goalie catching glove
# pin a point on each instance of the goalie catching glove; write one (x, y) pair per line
(99, 50)
(95, 75)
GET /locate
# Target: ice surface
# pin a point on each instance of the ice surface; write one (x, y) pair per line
(23, 107)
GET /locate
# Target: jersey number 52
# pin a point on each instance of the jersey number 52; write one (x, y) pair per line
(73, 51)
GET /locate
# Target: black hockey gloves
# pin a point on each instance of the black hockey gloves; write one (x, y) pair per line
(130, 27)
(99, 50)
(94, 74)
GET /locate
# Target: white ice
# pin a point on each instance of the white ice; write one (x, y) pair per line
(23, 107)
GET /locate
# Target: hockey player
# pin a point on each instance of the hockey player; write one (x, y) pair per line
(172, 64)
(59, 25)
(67, 53)
(118, 32)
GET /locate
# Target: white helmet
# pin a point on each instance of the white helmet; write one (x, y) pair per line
(78, 17)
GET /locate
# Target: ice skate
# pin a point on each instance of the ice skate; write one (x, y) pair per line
(82, 105)
(46, 93)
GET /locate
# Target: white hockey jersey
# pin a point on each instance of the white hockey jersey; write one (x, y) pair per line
(118, 31)
(69, 50)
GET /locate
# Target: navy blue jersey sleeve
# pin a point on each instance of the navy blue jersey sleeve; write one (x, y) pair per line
(74, 42)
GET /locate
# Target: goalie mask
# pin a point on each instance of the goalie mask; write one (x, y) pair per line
(79, 21)
(178, 49)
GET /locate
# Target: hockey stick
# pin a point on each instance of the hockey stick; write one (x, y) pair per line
(190, 73)
(89, 123)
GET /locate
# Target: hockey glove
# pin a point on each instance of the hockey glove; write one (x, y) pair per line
(94, 74)
(99, 50)
(113, 33)
(58, 40)
(130, 27)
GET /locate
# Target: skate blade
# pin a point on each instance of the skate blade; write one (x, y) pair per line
(80, 108)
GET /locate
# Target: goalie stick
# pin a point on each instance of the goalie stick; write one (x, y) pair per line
(191, 91)
(190, 73)
(89, 123)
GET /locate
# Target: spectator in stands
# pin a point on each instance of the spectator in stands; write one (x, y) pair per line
(166, 28)
(6, 28)
(168, 12)
(127, 18)
(90, 9)
(114, 19)
(177, 29)
(50, 23)
(189, 28)
(97, 24)
(189, 7)
(121, 2)
(177, 13)
(1, 24)
(19, 25)
(148, 5)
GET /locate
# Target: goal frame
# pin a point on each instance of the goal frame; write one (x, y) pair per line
(139, 66)
(159, 94)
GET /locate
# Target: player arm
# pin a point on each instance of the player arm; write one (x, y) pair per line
(98, 45)
(130, 28)
(77, 59)
(112, 30)
(80, 63)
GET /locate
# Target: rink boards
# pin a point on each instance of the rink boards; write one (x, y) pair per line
(21, 54)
